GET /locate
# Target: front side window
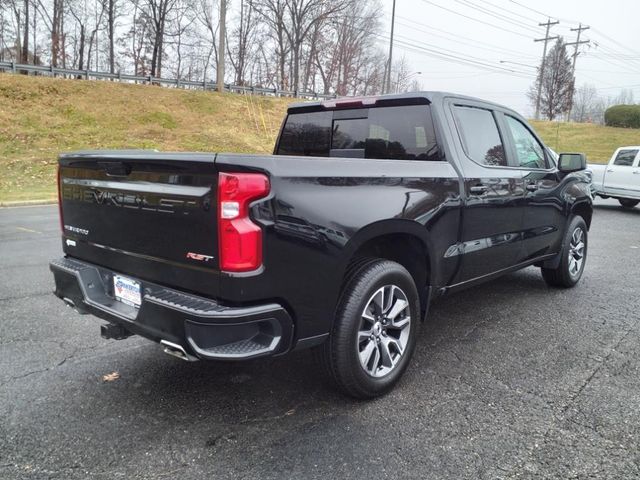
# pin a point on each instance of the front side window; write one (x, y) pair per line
(529, 152)
(625, 158)
(480, 135)
(397, 133)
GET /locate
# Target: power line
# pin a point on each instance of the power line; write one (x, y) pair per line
(461, 60)
(501, 7)
(476, 44)
(611, 58)
(453, 57)
(476, 19)
(616, 42)
(532, 9)
(459, 55)
(497, 15)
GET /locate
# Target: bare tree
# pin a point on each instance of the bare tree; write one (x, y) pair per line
(243, 39)
(273, 12)
(111, 9)
(401, 75)
(135, 42)
(304, 15)
(557, 82)
(25, 42)
(207, 16)
(84, 14)
(181, 21)
(158, 11)
(625, 97)
(57, 34)
(326, 46)
(585, 101)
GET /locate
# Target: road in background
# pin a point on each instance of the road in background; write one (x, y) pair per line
(509, 380)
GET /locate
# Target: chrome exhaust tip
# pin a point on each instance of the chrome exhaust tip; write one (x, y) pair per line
(176, 350)
(69, 303)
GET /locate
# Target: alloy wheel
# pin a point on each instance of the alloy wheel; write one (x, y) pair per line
(576, 252)
(383, 334)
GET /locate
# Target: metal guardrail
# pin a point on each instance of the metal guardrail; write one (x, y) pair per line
(175, 82)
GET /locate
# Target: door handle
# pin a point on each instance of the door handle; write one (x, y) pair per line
(609, 169)
(532, 187)
(478, 189)
(636, 172)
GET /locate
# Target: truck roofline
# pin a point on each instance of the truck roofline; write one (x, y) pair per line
(422, 97)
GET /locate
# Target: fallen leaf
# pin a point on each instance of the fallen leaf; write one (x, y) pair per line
(110, 377)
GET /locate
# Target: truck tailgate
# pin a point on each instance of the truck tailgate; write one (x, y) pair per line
(145, 214)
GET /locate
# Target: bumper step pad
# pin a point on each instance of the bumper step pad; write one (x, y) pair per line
(203, 327)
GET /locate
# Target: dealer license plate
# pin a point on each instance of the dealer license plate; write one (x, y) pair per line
(127, 290)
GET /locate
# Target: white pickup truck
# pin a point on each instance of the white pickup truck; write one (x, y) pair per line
(620, 178)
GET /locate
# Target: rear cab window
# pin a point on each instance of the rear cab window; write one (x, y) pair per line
(404, 132)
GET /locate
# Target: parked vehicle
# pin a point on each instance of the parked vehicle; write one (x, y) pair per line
(620, 178)
(368, 210)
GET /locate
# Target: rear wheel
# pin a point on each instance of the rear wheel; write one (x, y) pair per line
(573, 257)
(375, 330)
(626, 203)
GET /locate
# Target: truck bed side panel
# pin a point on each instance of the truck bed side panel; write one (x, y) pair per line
(322, 209)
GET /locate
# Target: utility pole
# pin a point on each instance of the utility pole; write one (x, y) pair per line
(576, 45)
(386, 83)
(222, 29)
(546, 39)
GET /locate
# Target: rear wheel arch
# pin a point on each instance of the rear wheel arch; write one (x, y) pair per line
(400, 241)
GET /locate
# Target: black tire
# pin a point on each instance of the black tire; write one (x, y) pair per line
(563, 276)
(627, 203)
(340, 354)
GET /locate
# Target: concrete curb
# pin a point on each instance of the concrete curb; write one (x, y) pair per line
(28, 203)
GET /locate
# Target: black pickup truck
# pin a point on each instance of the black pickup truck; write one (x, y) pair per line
(369, 209)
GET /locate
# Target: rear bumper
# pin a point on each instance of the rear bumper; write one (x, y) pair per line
(204, 328)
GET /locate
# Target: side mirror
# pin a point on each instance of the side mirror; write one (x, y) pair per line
(572, 162)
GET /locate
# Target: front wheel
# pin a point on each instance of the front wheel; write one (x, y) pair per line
(375, 330)
(627, 203)
(573, 257)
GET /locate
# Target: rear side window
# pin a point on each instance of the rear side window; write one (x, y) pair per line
(625, 158)
(397, 133)
(306, 134)
(480, 135)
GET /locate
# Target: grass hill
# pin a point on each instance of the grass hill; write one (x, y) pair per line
(597, 141)
(40, 117)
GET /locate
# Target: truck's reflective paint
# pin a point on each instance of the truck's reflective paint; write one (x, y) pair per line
(474, 222)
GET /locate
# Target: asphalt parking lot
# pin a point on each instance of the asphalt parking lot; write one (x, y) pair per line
(510, 380)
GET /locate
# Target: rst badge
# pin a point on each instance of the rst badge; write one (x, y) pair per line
(199, 257)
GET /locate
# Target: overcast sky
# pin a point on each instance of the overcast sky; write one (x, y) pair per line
(610, 62)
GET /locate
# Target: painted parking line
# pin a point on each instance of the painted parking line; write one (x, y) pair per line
(28, 230)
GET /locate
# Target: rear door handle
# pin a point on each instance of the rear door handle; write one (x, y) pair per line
(636, 172)
(532, 187)
(609, 169)
(478, 189)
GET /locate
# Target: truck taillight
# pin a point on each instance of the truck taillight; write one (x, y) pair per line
(59, 175)
(239, 239)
